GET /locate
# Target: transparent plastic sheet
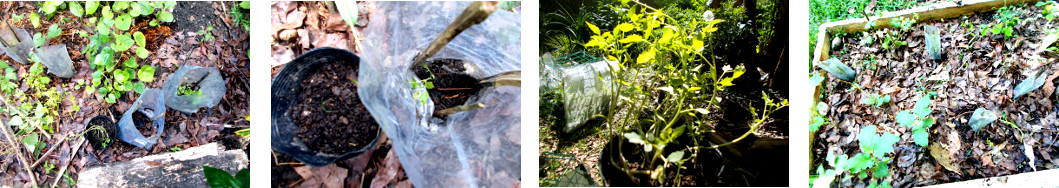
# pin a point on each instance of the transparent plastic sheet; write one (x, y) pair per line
(448, 155)
(57, 59)
(584, 93)
(152, 104)
(550, 76)
(210, 82)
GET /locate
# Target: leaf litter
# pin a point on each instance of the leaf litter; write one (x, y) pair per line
(976, 72)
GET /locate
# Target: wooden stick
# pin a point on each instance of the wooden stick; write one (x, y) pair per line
(13, 108)
(18, 152)
(42, 156)
(460, 108)
(473, 15)
(58, 176)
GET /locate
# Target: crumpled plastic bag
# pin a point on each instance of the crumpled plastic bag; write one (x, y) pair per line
(152, 104)
(57, 59)
(476, 148)
(211, 84)
(19, 51)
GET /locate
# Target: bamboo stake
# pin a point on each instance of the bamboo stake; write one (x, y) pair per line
(473, 15)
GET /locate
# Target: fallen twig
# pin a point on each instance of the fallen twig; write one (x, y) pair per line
(73, 153)
(18, 152)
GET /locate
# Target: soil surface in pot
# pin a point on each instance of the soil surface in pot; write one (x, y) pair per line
(451, 86)
(104, 135)
(329, 114)
(143, 124)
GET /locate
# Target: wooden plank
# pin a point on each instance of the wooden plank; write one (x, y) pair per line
(1044, 178)
(926, 13)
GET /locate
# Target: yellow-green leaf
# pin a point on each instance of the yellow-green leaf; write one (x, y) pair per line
(592, 43)
(709, 26)
(696, 45)
(593, 28)
(631, 38)
(624, 27)
(646, 56)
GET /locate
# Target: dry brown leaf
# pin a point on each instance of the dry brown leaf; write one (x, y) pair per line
(942, 156)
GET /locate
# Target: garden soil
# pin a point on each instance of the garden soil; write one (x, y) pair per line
(976, 71)
(330, 115)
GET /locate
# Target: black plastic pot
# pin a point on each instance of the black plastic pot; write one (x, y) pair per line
(101, 138)
(620, 152)
(285, 91)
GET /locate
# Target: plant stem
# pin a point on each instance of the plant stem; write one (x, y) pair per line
(18, 152)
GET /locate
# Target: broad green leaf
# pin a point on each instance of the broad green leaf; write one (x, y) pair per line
(34, 19)
(675, 156)
(141, 40)
(634, 138)
(645, 56)
(139, 87)
(624, 27)
(122, 42)
(102, 29)
(165, 16)
(120, 5)
(867, 138)
(4, 65)
(696, 45)
(243, 176)
(816, 124)
(631, 38)
(860, 162)
(219, 178)
(90, 7)
(135, 10)
(130, 63)
(31, 141)
(593, 28)
(592, 43)
(815, 80)
(15, 121)
(905, 118)
(881, 170)
(922, 107)
(38, 40)
(54, 31)
(142, 52)
(76, 9)
(885, 144)
(921, 137)
(120, 76)
(244, 4)
(123, 22)
(107, 13)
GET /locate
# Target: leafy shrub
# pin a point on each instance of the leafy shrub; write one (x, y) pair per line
(114, 50)
(918, 118)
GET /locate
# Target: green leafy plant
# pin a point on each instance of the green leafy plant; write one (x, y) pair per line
(876, 100)
(423, 96)
(99, 129)
(241, 14)
(1050, 10)
(894, 39)
(114, 49)
(207, 34)
(818, 117)
(871, 160)
(217, 178)
(188, 90)
(918, 119)
(1005, 20)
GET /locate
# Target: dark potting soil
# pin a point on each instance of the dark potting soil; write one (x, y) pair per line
(143, 123)
(329, 113)
(104, 135)
(451, 86)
